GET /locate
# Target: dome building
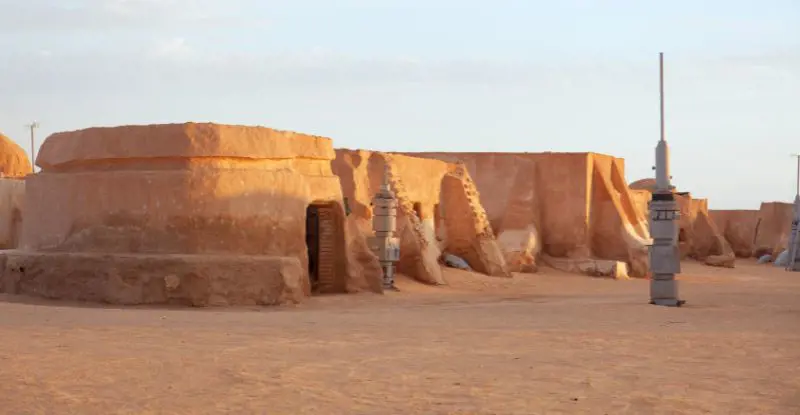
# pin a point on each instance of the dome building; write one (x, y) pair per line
(14, 161)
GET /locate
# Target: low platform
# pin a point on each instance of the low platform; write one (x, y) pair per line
(132, 279)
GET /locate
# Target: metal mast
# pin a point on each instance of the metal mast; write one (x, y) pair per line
(33, 126)
(664, 216)
(661, 92)
(794, 238)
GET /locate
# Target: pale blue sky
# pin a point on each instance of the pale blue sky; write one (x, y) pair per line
(570, 75)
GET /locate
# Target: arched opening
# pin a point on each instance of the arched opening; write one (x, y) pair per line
(323, 234)
(682, 235)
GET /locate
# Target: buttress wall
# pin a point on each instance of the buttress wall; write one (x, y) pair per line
(739, 229)
(773, 227)
(580, 203)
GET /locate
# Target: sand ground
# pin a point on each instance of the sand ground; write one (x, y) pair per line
(547, 343)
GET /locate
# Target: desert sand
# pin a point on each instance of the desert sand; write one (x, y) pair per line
(543, 343)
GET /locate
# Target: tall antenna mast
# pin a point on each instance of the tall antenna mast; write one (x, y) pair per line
(797, 181)
(661, 90)
(664, 216)
(33, 126)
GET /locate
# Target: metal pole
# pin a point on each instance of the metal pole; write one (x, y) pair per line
(664, 215)
(794, 236)
(34, 125)
(33, 151)
(661, 89)
(798, 176)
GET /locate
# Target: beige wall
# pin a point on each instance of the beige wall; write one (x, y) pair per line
(243, 209)
(12, 198)
(772, 227)
(450, 217)
(739, 229)
(361, 174)
(570, 189)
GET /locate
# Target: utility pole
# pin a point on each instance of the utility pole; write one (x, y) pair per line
(33, 126)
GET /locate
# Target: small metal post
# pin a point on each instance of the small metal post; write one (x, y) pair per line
(33, 126)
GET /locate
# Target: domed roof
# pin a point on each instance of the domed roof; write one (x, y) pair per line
(648, 184)
(14, 161)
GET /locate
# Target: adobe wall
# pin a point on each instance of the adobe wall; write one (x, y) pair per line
(641, 198)
(756, 232)
(579, 202)
(518, 229)
(431, 195)
(468, 232)
(614, 216)
(773, 225)
(12, 199)
(707, 239)
(564, 230)
(14, 166)
(698, 235)
(739, 229)
(221, 198)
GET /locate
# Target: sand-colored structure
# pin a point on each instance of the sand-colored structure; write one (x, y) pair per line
(14, 166)
(574, 206)
(198, 214)
(773, 226)
(756, 232)
(739, 229)
(207, 214)
(12, 201)
(438, 211)
(698, 235)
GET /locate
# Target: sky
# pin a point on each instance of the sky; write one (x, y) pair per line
(432, 75)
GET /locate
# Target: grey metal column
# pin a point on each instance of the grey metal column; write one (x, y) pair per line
(384, 222)
(794, 236)
(664, 215)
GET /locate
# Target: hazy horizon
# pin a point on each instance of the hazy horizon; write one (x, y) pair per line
(510, 76)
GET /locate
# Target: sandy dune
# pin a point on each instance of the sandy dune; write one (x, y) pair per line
(548, 343)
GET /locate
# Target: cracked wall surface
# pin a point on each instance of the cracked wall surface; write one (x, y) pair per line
(564, 205)
(439, 210)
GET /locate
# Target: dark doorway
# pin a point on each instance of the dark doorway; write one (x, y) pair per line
(438, 220)
(322, 231)
(418, 210)
(312, 242)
